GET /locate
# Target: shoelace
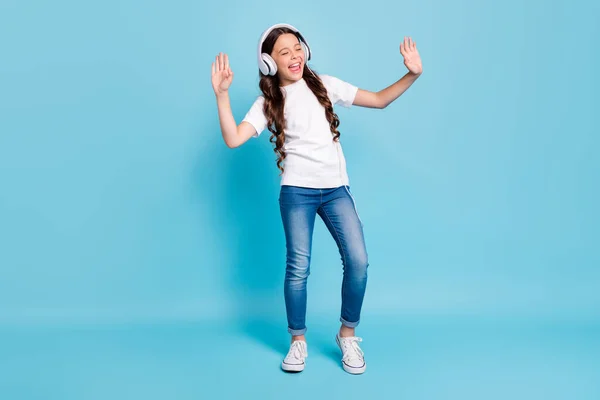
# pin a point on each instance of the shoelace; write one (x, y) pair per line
(298, 350)
(352, 350)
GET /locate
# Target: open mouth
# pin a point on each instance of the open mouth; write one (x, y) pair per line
(295, 68)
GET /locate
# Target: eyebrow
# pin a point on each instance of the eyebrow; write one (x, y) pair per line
(287, 48)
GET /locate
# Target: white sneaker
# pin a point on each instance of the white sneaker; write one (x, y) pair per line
(294, 361)
(353, 358)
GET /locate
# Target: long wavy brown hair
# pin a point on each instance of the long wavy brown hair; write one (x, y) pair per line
(275, 101)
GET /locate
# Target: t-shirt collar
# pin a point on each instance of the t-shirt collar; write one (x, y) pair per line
(292, 86)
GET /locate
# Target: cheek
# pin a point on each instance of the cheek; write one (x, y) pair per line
(282, 63)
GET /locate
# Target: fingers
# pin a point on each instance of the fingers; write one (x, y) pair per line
(221, 67)
(407, 45)
(221, 63)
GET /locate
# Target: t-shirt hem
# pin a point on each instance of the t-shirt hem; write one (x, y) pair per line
(321, 183)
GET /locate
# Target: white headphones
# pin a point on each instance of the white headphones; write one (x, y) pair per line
(266, 64)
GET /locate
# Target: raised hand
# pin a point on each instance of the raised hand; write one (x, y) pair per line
(222, 75)
(412, 59)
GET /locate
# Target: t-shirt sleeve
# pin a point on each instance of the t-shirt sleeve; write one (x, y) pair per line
(256, 117)
(340, 92)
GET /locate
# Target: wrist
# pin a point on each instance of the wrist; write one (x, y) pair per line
(222, 95)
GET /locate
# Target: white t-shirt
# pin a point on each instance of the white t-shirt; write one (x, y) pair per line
(313, 159)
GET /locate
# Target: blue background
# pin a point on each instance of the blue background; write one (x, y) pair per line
(139, 256)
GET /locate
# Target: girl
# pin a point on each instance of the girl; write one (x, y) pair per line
(296, 106)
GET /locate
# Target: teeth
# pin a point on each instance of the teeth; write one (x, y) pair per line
(295, 65)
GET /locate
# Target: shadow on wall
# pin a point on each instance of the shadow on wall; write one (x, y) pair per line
(239, 189)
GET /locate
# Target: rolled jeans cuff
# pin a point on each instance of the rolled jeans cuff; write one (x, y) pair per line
(349, 324)
(296, 332)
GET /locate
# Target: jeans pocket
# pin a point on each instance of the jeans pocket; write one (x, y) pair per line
(289, 194)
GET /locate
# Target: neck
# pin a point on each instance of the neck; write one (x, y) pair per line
(286, 82)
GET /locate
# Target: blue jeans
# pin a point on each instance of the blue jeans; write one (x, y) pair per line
(336, 207)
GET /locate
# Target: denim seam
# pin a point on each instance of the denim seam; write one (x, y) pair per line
(337, 236)
(354, 204)
(343, 252)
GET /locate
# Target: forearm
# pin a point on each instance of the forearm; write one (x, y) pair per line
(392, 92)
(226, 119)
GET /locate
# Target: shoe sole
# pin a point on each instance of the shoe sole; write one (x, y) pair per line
(292, 367)
(348, 368)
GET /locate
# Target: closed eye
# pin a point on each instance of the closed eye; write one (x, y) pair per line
(297, 48)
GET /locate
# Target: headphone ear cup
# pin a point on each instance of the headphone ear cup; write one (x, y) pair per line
(306, 50)
(262, 65)
(270, 63)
